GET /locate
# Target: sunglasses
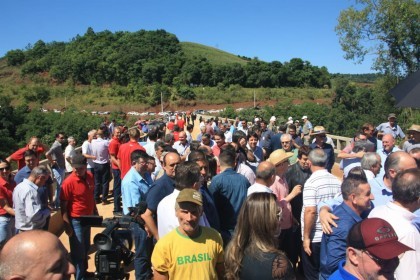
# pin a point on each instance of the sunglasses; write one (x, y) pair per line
(4, 168)
(378, 261)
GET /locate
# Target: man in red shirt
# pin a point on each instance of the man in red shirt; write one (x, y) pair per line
(124, 153)
(113, 149)
(34, 144)
(181, 123)
(77, 200)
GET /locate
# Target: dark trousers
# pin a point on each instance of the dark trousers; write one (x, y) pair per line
(311, 263)
(290, 243)
(102, 174)
(116, 173)
(143, 252)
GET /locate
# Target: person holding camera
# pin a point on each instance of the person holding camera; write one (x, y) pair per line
(77, 199)
(134, 186)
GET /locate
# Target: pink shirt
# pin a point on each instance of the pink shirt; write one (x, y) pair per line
(281, 190)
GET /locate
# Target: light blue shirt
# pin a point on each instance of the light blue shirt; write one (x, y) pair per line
(28, 207)
(134, 188)
(382, 194)
(383, 154)
(100, 150)
(395, 130)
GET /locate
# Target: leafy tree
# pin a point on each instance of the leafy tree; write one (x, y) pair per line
(15, 57)
(389, 29)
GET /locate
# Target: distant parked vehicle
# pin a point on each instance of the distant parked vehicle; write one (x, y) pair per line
(200, 111)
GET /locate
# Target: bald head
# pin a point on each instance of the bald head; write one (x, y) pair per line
(396, 162)
(265, 174)
(388, 142)
(34, 255)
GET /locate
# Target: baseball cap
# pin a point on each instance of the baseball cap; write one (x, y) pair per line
(190, 195)
(378, 237)
(78, 161)
(392, 115)
(304, 117)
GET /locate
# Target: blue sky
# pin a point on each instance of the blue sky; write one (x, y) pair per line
(270, 30)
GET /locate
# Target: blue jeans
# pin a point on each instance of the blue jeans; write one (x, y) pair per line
(102, 176)
(116, 173)
(7, 228)
(59, 177)
(144, 245)
(79, 247)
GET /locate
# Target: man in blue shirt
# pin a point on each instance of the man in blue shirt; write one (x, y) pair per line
(381, 189)
(134, 187)
(229, 190)
(372, 252)
(390, 127)
(357, 196)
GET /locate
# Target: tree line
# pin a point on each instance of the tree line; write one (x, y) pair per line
(153, 57)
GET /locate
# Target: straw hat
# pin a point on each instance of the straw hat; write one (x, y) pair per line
(319, 130)
(414, 127)
(278, 156)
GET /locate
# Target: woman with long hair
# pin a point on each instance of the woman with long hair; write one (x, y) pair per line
(252, 252)
(7, 214)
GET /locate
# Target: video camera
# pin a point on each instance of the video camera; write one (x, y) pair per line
(114, 243)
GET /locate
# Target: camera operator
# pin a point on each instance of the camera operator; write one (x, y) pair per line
(77, 200)
(134, 186)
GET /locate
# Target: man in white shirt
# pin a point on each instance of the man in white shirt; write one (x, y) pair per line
(69, 153)
(322, 185)
(400, 214)
(266, 173)
(187, 176)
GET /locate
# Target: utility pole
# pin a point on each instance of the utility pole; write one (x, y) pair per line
(161, 101)
(254, 98)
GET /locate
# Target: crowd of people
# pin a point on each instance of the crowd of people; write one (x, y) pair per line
(240, 200)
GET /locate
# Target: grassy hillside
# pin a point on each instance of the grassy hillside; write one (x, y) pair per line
(215, 56)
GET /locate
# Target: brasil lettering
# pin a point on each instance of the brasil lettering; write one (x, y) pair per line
(204, 257)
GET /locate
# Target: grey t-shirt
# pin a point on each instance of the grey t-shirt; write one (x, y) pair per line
(56, 152)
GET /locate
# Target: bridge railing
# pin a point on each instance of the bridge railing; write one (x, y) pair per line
(340, 142)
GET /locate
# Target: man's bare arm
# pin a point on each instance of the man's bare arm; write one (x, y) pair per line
(150, 223)
(162, 275)
(309, 223)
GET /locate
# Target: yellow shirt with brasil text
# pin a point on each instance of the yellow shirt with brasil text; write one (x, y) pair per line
(183, 257)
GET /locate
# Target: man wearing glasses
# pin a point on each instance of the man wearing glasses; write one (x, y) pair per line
(400, 214)
(134, 186)
(57, 162)
(372, 252)
(357, 196)
(288, 146)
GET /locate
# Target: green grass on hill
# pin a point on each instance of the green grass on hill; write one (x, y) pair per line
(214, 55)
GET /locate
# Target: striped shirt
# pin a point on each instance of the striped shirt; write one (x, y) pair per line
(320, 186)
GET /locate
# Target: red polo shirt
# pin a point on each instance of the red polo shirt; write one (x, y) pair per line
(6, 192)
(113, 148)
(124, 155)
(18, 155)
(78, 193)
